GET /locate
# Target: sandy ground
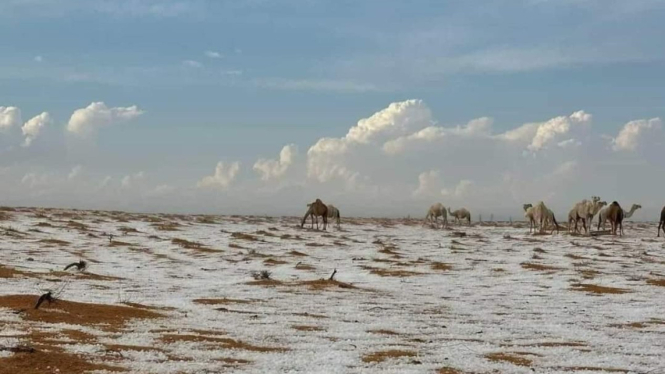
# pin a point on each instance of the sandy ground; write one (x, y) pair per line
(211, 294)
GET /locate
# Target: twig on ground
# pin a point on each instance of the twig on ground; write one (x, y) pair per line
(332, 276)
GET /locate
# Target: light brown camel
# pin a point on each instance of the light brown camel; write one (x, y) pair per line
(615, 216)
(435, 211)
(542, 216)
(661, 225)
(461, 214)
(584, 211)
(333, 213)
(528, 214)
(602, 216)
(316, 209)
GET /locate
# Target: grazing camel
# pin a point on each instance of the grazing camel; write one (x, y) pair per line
(584, 211)
(615, 216)
(549, 218)
(602, 216)
(333, 213)
(662, 222)
(461, 214)
(435, 211)
(528, 214)
(316, 209)
(542, 216)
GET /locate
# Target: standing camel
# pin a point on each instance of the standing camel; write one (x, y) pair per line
(662, 222)
(602, 216)
(461, 214)
(615, 216)
(316, 209)
(584, 211)
(542, 215)
(435, 211)
(333, 213)
(528, 214)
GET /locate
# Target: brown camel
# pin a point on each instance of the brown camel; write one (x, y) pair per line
(316, 209)
(615, 216)
(661, 225)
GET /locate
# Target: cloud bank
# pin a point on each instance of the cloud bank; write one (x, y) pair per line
(396, 162)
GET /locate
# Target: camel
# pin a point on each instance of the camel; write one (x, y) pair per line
(460, 214)
(528, 213)
(333, 213)
(661, 224)
(615, 216)
(316, 209)
(602, 216)
(542, 216)
(435, 211)
(584, 211)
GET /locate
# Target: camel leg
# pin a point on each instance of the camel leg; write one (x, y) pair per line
(659, 225)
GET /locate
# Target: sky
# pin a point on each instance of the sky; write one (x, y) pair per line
(379, 107)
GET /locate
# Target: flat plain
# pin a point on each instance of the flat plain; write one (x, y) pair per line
(167, 293)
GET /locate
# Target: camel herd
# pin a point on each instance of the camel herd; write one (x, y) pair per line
(540, 217)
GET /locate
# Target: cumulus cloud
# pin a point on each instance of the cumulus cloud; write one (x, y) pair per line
(429, 184)
(87, 120)
(213, 54)
(33, 127)
(398, 119)
(192, 64)
(10, 116)
(539, 136)
(629, 136)
(223, 177)
(479, 127)
(273, 169)
(463, 188)
(550, 130)
(129, 181)
(76, 171)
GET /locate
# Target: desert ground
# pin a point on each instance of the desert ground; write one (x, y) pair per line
(213, 294)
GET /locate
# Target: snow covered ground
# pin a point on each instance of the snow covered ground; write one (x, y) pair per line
(178, 294)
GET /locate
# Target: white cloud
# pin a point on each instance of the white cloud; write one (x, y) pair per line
(192, 64)
(33, 127)
(129, 181)
(213, 54)
(105, 182)
(223, 177)
(76, 171)
(273, 169)
(163, 189)
(479, 127)
(550, 130)
(87, 120)
(629, 136)
(10, 116)
(429, 184)
(569, 143)
(324, 158)
(463, 188)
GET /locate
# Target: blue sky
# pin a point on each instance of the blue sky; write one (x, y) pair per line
(239, 80)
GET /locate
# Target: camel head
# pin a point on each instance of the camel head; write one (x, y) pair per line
(595, 199)
(527, 206)
(636, 206)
